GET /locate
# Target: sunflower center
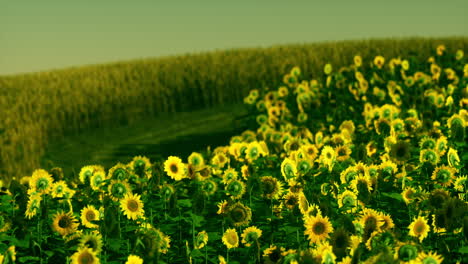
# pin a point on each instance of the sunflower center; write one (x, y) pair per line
(238, 215)
(90, 243)
(419, 228)
(132, 205)
(174, 168)
(64, 222)
(268, 187)
(232, 239)
(318, 228)
(90, 215)
(86, 258)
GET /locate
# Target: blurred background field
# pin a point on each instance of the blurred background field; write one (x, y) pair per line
(111, 112)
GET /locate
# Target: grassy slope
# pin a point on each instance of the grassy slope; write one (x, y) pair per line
(40, 108)
(156, 138)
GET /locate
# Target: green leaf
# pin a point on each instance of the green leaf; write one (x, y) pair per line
(463, 250)
(28, 258)
(396, 196)
(184, 203)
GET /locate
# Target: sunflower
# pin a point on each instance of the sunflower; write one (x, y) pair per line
(220, 159)
(118, 172)
(118, 189)
(253, 151)
(231, 238)
(271, 188)
(85, 256)
(343, 152)
(452, 158)
(379, 61)
(87, 171)
(251, 235)
(328, 157)
(132, 206)
(408, 194)
(59, 189)
(361, 184)
(196, 159)
(92, 240)
(430, 258)
(340, 242)
(229, 175)
(318, 228)
(273, 254)
(97, 180)
(428, 156)
(291, 200)
(311, 151)
(235, 188)
(460, 184)
(400, 152)
(303, 203)
(288, 169)
(209, 187)
(357, 61)
(88, 215)
(222, 207)
(33, 205)
(64, 223)
(387, 222)
(41, 181)
(201, 240)
(133, 259)
(440, 50)
(141, 166)
(444, 175)
(371, 221)
(174, 168)
(419, 228)
(238, 214)
(406, 252)
(348, 175)
(347, 199)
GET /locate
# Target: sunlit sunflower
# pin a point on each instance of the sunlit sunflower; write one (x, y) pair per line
(88, 215)
(303, 203)
(118, 189)
(419, 228)
(430, 258)
(231, 238)
(253, 151)
(347, 199)
(387, 222)
(174, 168)
(318, 228)
(92, 240)
(201, 240)
(452, 158)
(41, 181)
(132, 206)
(133, 259)
(238, 214)
(59, 189)
(270, 187)
(443, 175)
(251, 235)
(428, 156)
(85, 256)
(311, 151)
(288, 169)
(64, 223)
(371, 148)
(235, 188)
(328, 157)
(220, 159)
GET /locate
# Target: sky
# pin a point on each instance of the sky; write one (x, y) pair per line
(45, 35)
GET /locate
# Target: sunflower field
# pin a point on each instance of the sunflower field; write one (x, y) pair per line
(366, 164)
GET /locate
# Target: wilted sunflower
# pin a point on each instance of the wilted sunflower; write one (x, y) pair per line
(201, 240)
(85, 256)
(251, 235)
(271, 187)
(133, 259)
(231, 238)
(132, 206)
(64, 223)
(318, 228)
(41, 181)
(92, 240)
(174, 168)
(88, 215)
(419, 228)
(238, 214)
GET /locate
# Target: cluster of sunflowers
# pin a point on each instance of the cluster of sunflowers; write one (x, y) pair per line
(331, 172)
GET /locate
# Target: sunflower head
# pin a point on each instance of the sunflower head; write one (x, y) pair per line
(41, 181)
(419, 228)
(174, 168)
(118, 172)
(91, 240)
(201, 240)
(118, 189)
(318, 228)
(133, 259)
(230, 238)
(270, 187)
(288, 169)
(64, 223)
(89, 215)
(406, 252)
(132, 206)
(196, 159)
(85, 255)
(235, 188)
(251, 235)
(401, 151)
(141, 166)
(238, 214)
(429, 156)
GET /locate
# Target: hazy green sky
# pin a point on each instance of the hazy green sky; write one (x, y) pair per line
(39, 35)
